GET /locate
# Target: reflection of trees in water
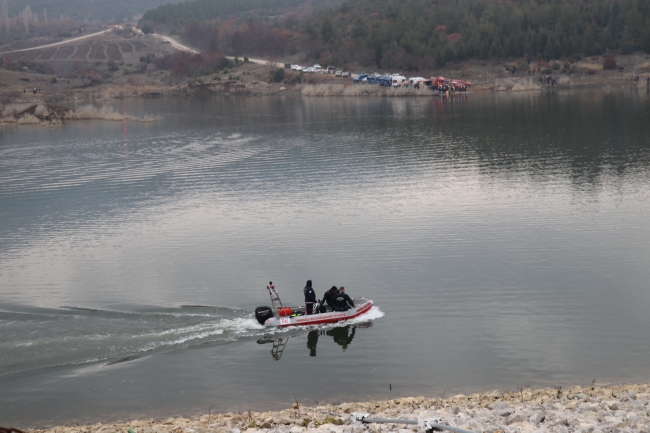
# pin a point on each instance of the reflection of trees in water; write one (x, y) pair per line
(342, 335)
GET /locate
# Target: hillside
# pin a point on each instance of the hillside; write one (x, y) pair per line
(422, 34)
(80, 10)
(413, 34)
(201, 10)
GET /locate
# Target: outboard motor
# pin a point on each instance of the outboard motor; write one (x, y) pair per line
(262, 314)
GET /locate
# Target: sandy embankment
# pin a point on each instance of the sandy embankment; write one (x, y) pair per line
(53, 115)
(617, 409)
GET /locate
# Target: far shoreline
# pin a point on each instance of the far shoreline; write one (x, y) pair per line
(45, 112)
(252, 79)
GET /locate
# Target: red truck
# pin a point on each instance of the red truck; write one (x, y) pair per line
(443, 84)
(460, 85)
(440, 83)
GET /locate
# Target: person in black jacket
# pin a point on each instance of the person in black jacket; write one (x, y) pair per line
(328, 297)
(342, 302)
(310, 297)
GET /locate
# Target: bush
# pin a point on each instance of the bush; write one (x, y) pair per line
(147, 29)
(609, 63)
(277, 76)
(246, 59)
(127, 72)
(53, 81)
(296, 79)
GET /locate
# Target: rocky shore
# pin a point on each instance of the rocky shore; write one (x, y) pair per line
(594, 409)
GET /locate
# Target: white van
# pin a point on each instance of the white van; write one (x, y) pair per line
(398, 80)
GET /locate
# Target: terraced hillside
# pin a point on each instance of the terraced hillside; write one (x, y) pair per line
(106, 48)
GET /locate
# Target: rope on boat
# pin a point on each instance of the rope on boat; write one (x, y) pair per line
(428, 424)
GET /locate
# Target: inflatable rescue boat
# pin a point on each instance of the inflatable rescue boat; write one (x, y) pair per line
(280, 316)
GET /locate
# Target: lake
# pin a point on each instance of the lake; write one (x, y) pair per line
(504, 239)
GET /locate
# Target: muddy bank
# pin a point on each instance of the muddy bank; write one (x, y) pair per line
(593, 409)
(54, 115)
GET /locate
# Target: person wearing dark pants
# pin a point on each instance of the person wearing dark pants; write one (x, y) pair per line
(310, 297)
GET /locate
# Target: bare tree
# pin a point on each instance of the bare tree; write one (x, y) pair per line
(27, 18)
(5, 16)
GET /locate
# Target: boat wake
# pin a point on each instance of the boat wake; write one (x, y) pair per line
(33, 338)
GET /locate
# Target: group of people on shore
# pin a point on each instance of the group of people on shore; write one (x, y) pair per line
(335, 297)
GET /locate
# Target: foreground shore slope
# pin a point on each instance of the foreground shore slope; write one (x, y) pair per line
(596, 409)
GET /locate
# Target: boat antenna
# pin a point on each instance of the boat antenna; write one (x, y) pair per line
(275, 298)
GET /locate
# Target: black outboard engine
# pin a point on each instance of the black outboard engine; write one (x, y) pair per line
(263, 313)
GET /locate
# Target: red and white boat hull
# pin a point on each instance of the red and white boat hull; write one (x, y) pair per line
(361, 306)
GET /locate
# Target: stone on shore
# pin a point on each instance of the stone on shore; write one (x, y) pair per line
(619, 409)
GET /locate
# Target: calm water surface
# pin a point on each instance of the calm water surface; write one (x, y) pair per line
(504, 238)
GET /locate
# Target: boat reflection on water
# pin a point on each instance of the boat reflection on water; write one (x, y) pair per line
(342, 335)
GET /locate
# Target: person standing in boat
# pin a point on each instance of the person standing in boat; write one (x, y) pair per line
(310, 297)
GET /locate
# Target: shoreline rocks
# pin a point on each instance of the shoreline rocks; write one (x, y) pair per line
(595, 409)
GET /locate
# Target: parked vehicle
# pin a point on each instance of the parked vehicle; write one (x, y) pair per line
(309, 69)
(360, 78)
(338, 74)
(441, 84)
(372, 79)
(331, 69)
(287, 66)
(317, 66)
(345, 74)
(460, 85)
(414, 80)
(398, 80)
(385, 80)
(297, 67)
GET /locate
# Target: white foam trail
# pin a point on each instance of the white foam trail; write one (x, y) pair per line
(374, 313)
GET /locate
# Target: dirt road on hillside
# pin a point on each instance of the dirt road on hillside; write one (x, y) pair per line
(56, 44)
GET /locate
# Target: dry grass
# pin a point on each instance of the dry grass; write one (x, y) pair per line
(360, 90)
(88, 112)
(529, 84)
(590, 66)
(28, 119)
(39, 114)
(127, 90)
(322, 90)
(508, 83)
